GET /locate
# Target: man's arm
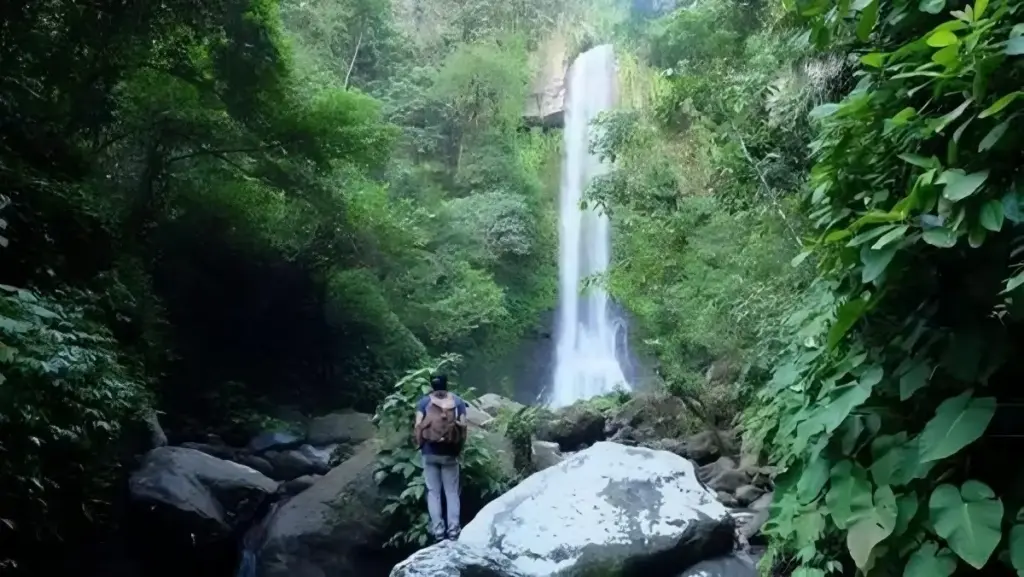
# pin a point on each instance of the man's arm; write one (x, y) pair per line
(421, 411)
(460, 412)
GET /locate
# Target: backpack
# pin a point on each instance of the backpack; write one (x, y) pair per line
(439, 426)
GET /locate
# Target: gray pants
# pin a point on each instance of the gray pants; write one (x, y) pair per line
(442, 474)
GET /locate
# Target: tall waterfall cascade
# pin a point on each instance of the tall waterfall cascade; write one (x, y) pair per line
(589, 339)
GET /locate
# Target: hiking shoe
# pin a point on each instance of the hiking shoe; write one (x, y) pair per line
(453, 536)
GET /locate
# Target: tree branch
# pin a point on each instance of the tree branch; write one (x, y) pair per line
(352, 63)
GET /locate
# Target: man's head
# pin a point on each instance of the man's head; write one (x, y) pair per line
(439, 382)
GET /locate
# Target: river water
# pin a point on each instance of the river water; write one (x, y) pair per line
(589, 337)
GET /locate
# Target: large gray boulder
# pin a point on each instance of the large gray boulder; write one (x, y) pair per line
(454, 559)
(336, 527)
(342, 427)
(607, 510)
(199, 493)
(492, 404)
(573, 427)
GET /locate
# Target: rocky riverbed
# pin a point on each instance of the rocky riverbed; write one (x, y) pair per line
(619, 489)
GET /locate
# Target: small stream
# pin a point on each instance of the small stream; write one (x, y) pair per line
(253, 540)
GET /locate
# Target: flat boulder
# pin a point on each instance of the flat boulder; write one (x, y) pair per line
(276, 440)
(606, 510)
(341, 427)
(336, 527)
(199, 493)
(573, 427)
(454, 559)
(492, 404)
(476, 417)
(290, 464)
(649, 417)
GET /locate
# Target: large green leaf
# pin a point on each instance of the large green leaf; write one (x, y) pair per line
(847, 316)
(916, 377)
(929, 561)
(941, 237)
(870, 530)
(813, 479)
(849, 494)
(961, 186)
(875, 262)
(969, 519)
(1000, 104)
(958, 422)
(993, 136)
(867, 21)
(1016, 545)
(891, 236)
(991, 215)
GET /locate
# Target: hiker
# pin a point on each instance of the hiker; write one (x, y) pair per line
(440, 433)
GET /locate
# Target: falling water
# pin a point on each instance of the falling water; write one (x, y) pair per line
(586, 363)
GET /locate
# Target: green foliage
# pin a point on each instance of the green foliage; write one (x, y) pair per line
(65, 396)
(519, 429)
(701, 192)
(400, 465)
(275, 203)
(881, 410)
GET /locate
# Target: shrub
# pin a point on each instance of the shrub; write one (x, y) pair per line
(65, 396)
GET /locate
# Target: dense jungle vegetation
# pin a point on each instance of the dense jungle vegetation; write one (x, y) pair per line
(236, 211)
(838, 183)
(231, 212)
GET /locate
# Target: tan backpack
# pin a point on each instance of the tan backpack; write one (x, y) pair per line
(439, 425)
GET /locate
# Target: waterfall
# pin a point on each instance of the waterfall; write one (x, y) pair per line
(586, 357)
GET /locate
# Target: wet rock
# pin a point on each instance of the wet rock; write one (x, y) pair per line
(706, 446)
(546, 455)
(756, 516)
(335, 527)
(674, 446)
(477, 417)
(298, 485)
(287, 465)
(649, 417)
(574, 427)
(277, 441)
(493, 404)
(201, 494)
(735, 565)
(631, 510)
(454, 559)
(727, 499)
(254, 462)
(219, 451)
(341, 427)
(320, 457)
(747, 494)
(724, 478)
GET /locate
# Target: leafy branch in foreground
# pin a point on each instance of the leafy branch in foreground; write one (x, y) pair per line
(885, 413)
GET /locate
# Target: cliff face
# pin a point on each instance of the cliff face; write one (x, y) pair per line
(546, 103)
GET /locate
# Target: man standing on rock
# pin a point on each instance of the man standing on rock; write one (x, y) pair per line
(441, 433)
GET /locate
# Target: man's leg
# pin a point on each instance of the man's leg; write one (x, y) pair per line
(452, 498)
(433, 478)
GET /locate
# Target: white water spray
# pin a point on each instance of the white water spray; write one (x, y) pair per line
(586, 364)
